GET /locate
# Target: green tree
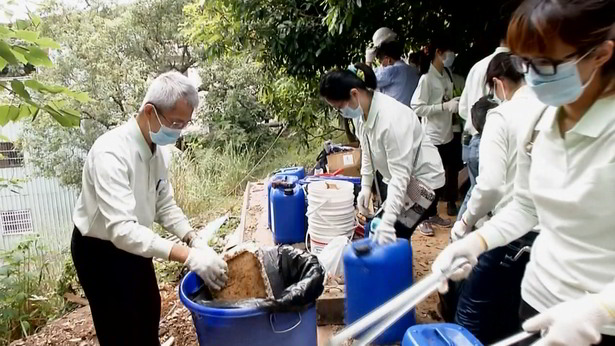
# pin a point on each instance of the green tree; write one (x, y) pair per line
(110, 52)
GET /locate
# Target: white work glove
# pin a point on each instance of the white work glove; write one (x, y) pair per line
(469, 247)
(385, 233)
(370, 55)
(209, 266)
(460, 229)
(451, 106)
(576, 322)
(199, 243)
(363, 200)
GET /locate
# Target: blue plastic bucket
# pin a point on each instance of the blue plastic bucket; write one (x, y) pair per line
(246, 326)
(439, 334)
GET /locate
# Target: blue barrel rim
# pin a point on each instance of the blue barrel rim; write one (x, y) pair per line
(218, 312)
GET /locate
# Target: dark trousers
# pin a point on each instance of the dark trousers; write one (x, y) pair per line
(526, 312)
(489, 299)
(450, 153)
(122, 291)
(401, 230)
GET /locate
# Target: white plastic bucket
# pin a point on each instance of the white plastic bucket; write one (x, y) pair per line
(330, 213)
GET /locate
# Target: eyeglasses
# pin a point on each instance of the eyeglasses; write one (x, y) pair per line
(544, 66)
(178, 125)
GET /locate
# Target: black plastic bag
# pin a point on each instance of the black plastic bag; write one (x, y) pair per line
(296, 278)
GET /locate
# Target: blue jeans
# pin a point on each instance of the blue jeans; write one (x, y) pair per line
(470, 156)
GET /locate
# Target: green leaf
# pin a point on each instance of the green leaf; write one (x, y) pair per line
(6, 32)
(22, 24)
(25, 111)
(36, 20)
(13, 113)
(80, 96)
(63, 118)
(4, 114)
(46, 42)
(36, 85)
(38, 57)
(19, 54)
(2, 63)
(27, 35)
(7, 53)
(20, 89)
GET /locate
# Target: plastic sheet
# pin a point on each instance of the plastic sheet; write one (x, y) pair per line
(296, 278)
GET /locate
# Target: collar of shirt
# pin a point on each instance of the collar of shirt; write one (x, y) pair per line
(373, 111)
(592, 124)
(434, 71)
(135, 133)
(501, 50)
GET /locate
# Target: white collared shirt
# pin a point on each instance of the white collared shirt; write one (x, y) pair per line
(394, 135)
(433, 90)
(568, 185)
(498, 154)
(125, 188)
(476, 88)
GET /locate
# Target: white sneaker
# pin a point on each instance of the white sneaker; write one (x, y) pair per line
(426, 229)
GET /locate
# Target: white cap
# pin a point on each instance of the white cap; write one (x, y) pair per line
(383, 35)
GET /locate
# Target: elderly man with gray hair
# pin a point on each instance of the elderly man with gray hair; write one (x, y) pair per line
(125, 188)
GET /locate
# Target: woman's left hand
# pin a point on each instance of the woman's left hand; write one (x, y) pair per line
(576, 322)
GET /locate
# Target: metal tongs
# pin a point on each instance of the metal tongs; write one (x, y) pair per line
(380, 319)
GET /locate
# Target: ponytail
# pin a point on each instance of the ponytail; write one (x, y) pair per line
(336, 85)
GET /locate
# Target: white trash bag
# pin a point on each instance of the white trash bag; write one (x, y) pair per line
(331, 256)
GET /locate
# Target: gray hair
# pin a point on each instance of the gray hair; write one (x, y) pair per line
(168, 88)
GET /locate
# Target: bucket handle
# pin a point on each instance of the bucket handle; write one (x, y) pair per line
(271, 318)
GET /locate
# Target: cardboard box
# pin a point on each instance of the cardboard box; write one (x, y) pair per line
(350, 161)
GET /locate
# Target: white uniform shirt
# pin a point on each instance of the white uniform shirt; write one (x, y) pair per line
(568, 186)
(476, 88)
(434, 89)
(498, 154)
(125, 189)
(394, 134)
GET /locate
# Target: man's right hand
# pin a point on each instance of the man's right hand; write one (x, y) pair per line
(363, 200)
(451, 106)
(209, 266)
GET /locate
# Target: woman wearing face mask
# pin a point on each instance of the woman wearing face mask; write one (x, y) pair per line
(496, 279)
(565, 173)
(433, 101)
(391, 132)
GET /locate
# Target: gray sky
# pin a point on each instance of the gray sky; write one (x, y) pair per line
(18, 9)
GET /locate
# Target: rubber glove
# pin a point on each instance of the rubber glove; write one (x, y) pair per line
(385, 233)
(460, 229)
(198, 243)
(363, 200)
(576, 322)
(370, 55)
(209, 266)
(469, 247)
(451, 106)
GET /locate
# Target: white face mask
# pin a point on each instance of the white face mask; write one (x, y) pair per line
(448, 59)
(352, 113)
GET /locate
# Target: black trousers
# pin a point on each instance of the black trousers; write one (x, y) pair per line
(401, 230)
(450, 153)
(122, 291)
(526, 312)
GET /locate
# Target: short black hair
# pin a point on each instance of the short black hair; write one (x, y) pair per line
(336, 85)
(500, 67)
(392, 49)
(480, 110)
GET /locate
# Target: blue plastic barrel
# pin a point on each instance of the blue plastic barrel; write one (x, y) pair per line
(439, 334)
(374, 274)
(288, 210)
(298, 172)
(246, 326)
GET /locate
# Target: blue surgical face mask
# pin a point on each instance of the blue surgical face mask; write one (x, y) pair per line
(351, 113)
(562, 88)
(165, 135)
